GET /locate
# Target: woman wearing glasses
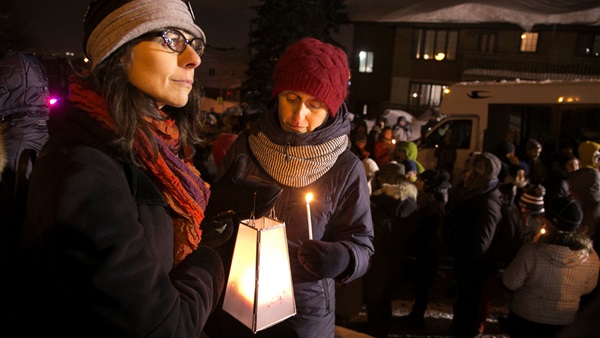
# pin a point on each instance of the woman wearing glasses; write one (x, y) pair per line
(111, 241)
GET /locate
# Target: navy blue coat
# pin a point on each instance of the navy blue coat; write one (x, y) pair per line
(340, 212)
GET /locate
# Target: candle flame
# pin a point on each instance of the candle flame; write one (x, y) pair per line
(542, 231)
(309, 197)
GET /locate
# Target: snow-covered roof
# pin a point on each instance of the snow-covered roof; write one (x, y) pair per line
(525, 13)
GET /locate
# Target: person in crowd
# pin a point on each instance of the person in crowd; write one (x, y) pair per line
(531, 206)
(427, 245)
(402, 131)
(470, 225)
(589, 154)
(505, 151)
(584, 185)
(446, 153)
(301, 145)
(23, 115)
(411, 171)
(393, 205)
(383, 151)
(549, 276)
(538, 172)
(557, 185)
(118, 234)
(408, 151)
(359, 129)
(358, 146)
(24, 108)
(434, 118)
(373, 136)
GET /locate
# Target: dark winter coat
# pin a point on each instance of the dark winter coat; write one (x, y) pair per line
(23, 107)
(393, 210)
(98, 246)
(339, 211)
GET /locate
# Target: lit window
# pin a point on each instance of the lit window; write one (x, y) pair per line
(425, 95)
(365, 62)
(529, 42)
(435, 44)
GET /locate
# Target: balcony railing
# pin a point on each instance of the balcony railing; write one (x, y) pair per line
(478, 66)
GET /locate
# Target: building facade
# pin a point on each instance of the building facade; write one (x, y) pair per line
(407, 65)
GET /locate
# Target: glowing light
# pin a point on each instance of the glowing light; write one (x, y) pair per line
(52, 101)
(309, 198)
(440, 56)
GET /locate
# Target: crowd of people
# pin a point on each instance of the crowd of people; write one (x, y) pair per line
(521, 213)
(128, 232)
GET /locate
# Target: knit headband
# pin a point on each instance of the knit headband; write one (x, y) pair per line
(533, 203)
(106, 32)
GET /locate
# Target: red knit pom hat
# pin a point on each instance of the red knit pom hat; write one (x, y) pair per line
(316, 68)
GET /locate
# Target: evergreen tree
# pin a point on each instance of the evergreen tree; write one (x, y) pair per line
(277, 25)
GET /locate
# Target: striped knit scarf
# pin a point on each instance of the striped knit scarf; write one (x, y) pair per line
(296, 166)
(180, 183)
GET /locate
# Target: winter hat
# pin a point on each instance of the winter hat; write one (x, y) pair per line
(316, 68)
(391, 173)
(532, 144)
(532, 199)
(504, 148)
(436, 179)
(565, 213)
(109, 24)
(371, 167)
(483, 173)
(586, 150)
(410, 165)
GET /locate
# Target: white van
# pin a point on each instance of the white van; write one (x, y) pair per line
(480, 113)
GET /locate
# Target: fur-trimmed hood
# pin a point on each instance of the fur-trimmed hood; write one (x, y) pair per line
(400, 191)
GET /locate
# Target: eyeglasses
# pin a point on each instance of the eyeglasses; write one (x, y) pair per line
(176, 41)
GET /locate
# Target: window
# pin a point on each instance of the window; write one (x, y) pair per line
(424, 95)
(461, 134)
(529, 42)
(365, 62)
(589, 45)
(488, 42)
(435, 44)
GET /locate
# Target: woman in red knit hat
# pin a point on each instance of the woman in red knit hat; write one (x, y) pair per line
(302, 146)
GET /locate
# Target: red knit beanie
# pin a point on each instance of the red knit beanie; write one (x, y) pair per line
(316, 68)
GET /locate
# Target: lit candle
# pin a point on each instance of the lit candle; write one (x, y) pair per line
(309, 197)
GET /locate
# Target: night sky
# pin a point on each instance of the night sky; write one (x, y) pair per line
(57, 25)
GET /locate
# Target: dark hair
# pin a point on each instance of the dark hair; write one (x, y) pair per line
(129, 106)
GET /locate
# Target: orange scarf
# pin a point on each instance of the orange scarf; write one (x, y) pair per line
(180, 183)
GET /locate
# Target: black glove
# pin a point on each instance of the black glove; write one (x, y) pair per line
(233, 198)
(215, 233)
(324, 259)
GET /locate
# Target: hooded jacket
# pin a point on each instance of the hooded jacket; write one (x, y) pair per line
(586, 152)
(585, 186)
(411, 150)
(548, 281)
(23, 108)
(339, 211)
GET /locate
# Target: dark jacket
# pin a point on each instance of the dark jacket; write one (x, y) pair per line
(23, 107)
(98, 246)
(339, 211)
